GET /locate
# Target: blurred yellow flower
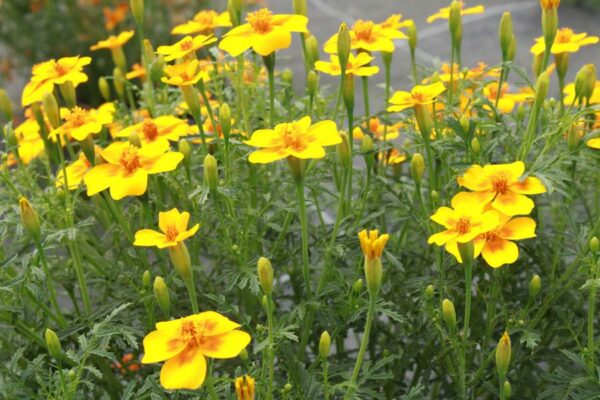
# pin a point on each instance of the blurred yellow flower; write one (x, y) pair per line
(378, 130)
(29, 142)
(357, 65)
(393, 157)
(570, 94)
(419, 95)
(79, 123)
(187, 73)
(185, 47)
(296, 139)
(173, 225)
(164, 128)
(565, 41)
(594, 143)
(204, 21)
(264, 31)
(112, 18)
(444, 13)
(186, 342)
(137, 71)
(113, 41)
(368, 36)
(75, 172)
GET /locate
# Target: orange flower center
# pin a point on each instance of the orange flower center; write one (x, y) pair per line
(186, 44)
(500, 183)
(463, 225)
(193, 333)
(60, 69)
(364, 30)
(206, 17)
(564, 35)
(418, 97)
(292, 137)
(374, 125)
(77, 117)
(172, 233)
(150, 130)
(130, 159)
(261, 21)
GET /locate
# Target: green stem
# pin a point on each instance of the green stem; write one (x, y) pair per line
(590, 321)
(191, 288)
(85, 295)
(270, 65)
(325, 382)
(304, 228)
(365, 87)
(50, 285)
(210, 386)
(271, 350)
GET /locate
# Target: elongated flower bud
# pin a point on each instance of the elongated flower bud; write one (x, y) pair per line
(244, 388)
(29, 218)
(535, 285)
(541, 87)
(119, 82)
(312, 50)
(429, 292)
(512, 49)
(343, 150)
(104, 88)
(149, 52)
(505, 34)
(449, 314)
(180, 257)
(190, 96)
(211, 174)
(324, 345)
(348, 91)
(503, 351)
(184, 148)
(161, 294)
(455, 23)
(300, 7)
(157, 69)
(357, 286)
(562, 64)
(137, 9)
(549, 21)
(265, 274)
(344, 44)
(6, 108)
(50, 107)
(411, 32)
(312, 81)
(585, 82)
(225, 120)
(417, 168)
(475, 146)
(594, 244)
(53, 344)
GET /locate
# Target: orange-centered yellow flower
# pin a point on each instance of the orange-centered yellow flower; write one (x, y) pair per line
(419, 95)
(368, 36)
(173, 225)
(186, 46)
(392, 157)
(184, 74)
(186, 342)
(75, 172)
(137, 71)
(206, 20)
(444, 13)
(164, 128)
(113, 42)
(565, 41)
(297, 139)
(264, 31)
(127, 168)
(357, 65)
(244, 388)
(80, 123)
(503, 186)
(378, 130)
(372, 244)
(54, 72)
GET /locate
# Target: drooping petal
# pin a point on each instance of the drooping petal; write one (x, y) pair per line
(531, 185)
(226, 345)
(511, 204)
(498, 251)
(188, 233)
(161, 345)
(326, 133)
(517, 229)
(187, 370)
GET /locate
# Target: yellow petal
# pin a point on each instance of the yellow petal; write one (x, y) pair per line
(168, 218)
(517, 229)
(188, 233)
(165, 163)
(187, 370)
(310, 151)
(264, 138)
(326, 133)
(275, 40)
(264, 156)
(149, 237)
(444, 216)
(442, 237)
(227, 345)
(99, 178)
(475, 178)
(213, 323)
(511, 203)
(530, 185)
(134, 184)
(498, 252)
(161, 345)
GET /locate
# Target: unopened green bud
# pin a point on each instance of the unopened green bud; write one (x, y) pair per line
(157, 68)
(535, 285)
(211, 174)
(184, 148)
(521, 112)
(585, 82)
(137, 9)
(287, 76)
(343, 150)
(507, 389)
(594, 244)
(455, 22)
(134, 140)
(411, 32)
(541, 87)
(429, 292)
(225, 120)
(417, 168)
(465, 123)
(512, 49)
(505, 34)
(50, 107)
(180, 257)
(449, 314)
(287, 388)
(348, 91)
(536, 64)
(573, 137)
(161, 294)
(104, 88)
(265, 274)
(243, 355)
(146, 279)
(373, 274)
(53, 344)
(503, 351)
(300, 7)
(357, 286)
(562, 63)
(149, 52)
(435, 196)
(549, 25)
(6, 108)
(475, 146)
(265, 303)
(67, 90)
(119, 82)
(343, 45)
(367, 144)
(312, 81)
(312, 50)
(324, 345)
(30, 219)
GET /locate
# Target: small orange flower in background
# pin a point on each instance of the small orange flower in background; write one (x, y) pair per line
(264, 32)
(137, 71)
(113, 42)
(204, 21)
(565, 41)
(357, 65)
(298, 139)
(54, 72)
(127, 168)
(244, 387)
(184, 74)
(419, 95)
(164, 128)
(368, 36)
(186, 342)
(444, 13)
(173, 225)
(79, 123)
(75, 172)
(503, 186)
(378, 130)
(507, 101)
(395, 22)
(393, 157)
(185, 47)
(113, 17)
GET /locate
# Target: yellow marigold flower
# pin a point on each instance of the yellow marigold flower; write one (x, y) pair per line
(80, 123)
(75, 172)
(444, 13)
(112, 18)
(137, 71)
(186, 46)
(419, 95)
(565, 41)
(296, 139)
(186, 342)
(113, 42)
(507, 101)
(54, 72)
(395, 22)
(164, 128)
(185, 74)
(173, 225)
(372, 243)
(205, 20)
(244, 387)
(127, 168)
(264, 31)
(357, 65)
(393, 157)
(368, 36)
(378, 130)
(503, 186)
(463, 222)
(549, 4)
(30, 143)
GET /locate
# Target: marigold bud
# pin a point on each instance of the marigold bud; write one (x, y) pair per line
(503, 351)
(411, 32)
(297, 168)
(104, 88)
(466, 251)
(184, 148)
(549, 23)
(512, 49)
(367, 144)
(343, 45)
(137, 9)
(536, 64)
(417, 168)
(594, 244)
(300, 7)
(324, 345)
(190, 96)
(541, 87)
(134, 140)
(585, 82)
(549, 4)
(149, 52)
(287, 76)
(573, 136)
(475, 146)
(67, 90)
(180, 257)
(211, 174)
(312, 81)
(348, 91)
(265, 274)
(507, 389)
(465, 122)
(50, 107)
(53, 344)
(505, 34)
(244, 388)
(146, 279)
(225, 120)
(429, 292)
(89, 149)
(312, 50)
(449, 314)
(357, 286)
(161, 294)
(455, 23)
(6, 108)
(561, 61)
(535, 285)
(119, 82)
(243, 355)
(343, 150)
(287, 387)
(435, 196)
(157, 69)
(30, 219)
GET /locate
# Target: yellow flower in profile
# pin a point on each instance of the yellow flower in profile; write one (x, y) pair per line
(466, 220)
(75, 172)
(419, 95)
(507, 101)
(549, 4)
(395, 22)
(565, 41)
(503, 186)
(378, 130)
(204, 21)
(80, 123)
(297, 139)
(164, 128)
(368, 36)
(54, 72)
(184, 74)
(244, 388)
(264, 31)
(186, 342)
(173, 225)
(357, 65)
(185, 47)
(393, 157)
(444, 13)
(127, 168)
(137, 71)
(113, 42)
(372, 243)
